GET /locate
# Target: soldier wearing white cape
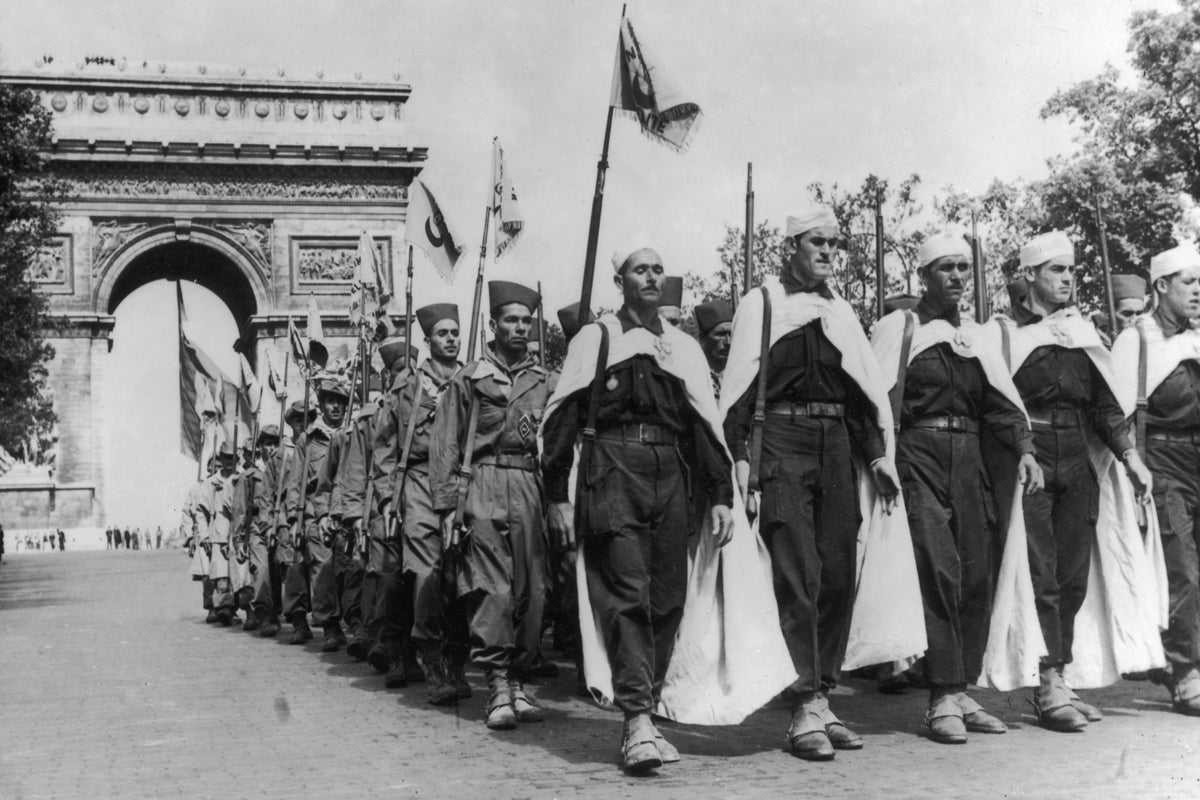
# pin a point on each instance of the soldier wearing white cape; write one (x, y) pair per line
(955, 387)
(676, 614)
(845, 583)
(1084, 543)
(1157, 366)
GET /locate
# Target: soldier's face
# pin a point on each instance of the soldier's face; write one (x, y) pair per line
(716, 342)
(511, 326)
(641, 280)
(1180, 293)
(266, 450)
(444, 340)
(1051, 283)
(810, 256)
(945, 280)
(225, 465)
(1128, 310)
(333, 409)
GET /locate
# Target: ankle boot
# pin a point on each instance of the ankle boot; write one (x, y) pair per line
(500, 714)
(523, 707)
(441, 690)
(1052, 703)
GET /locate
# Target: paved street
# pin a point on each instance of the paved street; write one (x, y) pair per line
(114, 687)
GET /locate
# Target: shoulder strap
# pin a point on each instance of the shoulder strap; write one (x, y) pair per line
(464, 472)
(1005, 343)
(760, 396)
(410, 432)
(1143, 401)
(588, 432)
(902, 368)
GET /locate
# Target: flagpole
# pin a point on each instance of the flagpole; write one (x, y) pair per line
(541, 323)
(179, 332)
(408, 313)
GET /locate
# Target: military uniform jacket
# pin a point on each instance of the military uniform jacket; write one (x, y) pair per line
(250, 507)
(391, 426)
(318, 441)
(350, 480)
(511, 405)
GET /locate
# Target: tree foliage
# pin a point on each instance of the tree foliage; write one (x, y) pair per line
(27, 220)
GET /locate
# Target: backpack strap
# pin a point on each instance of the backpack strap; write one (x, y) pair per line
(588, 433)
(1143, 402)
(897, 397)
(464, 472)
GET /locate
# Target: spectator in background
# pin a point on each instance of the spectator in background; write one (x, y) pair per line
(158, 538)
(62, 540)
(128, 537)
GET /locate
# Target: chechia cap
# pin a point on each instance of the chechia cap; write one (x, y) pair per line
(711, 314)
(568, 318)
(501, 293)
(1127, 287)
(672, 291)
(393, 350)
(431, 315)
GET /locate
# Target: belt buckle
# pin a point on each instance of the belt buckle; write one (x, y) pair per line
(642, 433)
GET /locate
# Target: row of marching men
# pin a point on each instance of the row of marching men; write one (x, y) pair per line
(972, 496)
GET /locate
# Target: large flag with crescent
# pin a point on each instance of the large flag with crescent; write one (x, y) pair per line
(509, 221)
(428, 229)
(641, 88)
(318, 351)
(201, 393)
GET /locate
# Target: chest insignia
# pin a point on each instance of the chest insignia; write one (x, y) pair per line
(663, 348)
(527, 426)
(1062, 334)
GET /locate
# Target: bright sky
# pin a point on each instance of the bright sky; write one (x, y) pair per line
(824, 90)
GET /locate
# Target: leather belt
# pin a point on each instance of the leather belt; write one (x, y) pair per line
(1179, 437)
(639, 433)
(525, 461)
(793, 410)
(949, 424)
(1057, 417)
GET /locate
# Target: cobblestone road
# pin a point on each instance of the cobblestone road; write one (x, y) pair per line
(112, 686)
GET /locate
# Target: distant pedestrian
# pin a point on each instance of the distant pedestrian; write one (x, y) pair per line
(62, 540)
(128, 537)
(158, 538)
(108, 539)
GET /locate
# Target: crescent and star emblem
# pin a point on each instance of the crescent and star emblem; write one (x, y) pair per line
(435, 239)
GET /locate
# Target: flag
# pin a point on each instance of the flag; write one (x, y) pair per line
(642, 89)
(299, 349)
(369, 290)
(274, 379)
(200, 383)
(318, 353)
(429, 230)
(504, 202)
(251, 389)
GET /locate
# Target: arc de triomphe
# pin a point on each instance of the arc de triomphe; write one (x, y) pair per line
(254, 185)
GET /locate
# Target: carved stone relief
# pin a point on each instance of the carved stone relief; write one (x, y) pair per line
(108, 237)
(52, 262)
(324, 261)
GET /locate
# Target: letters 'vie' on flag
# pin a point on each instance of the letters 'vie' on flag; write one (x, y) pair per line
(509, 221)
(369, 290)
(641, 88)
(428, 229)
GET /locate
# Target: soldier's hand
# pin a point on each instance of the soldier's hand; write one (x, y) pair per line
(1029, 474)
(297, 537)
(887, 482)
(561, 519)
(1139, 475)
(722, 525)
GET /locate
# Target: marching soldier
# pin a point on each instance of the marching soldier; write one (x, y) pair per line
(256, 502)
(310, 581)
(1065, 378)
(804, 367)
(951, 385)
(484, 477)
(635, 516)
(1159, 359)
(1129, 299)
(280, 469)
(192, 525)
(714, 320)
(433, 621)
(212, 501)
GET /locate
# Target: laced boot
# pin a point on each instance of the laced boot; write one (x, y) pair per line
(301, 633)
(806, 735)
(456, 673)
(334, 638)
(499, 711)
(638, 748)
(441, 690)
(1185, 692)
(945, 717)
(523, 707)
(1052, 703)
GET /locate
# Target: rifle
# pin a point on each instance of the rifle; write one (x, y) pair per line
(748, 241)
(981, 295)
(880, 276)
(1106, 267)
(402, 465)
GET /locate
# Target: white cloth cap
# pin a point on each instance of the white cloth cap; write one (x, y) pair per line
(804, 220)
(942, 244)
(1045, 246)
(1171, 261)
(621, 255)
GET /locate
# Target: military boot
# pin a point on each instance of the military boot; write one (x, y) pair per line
(378, 658)
(252, 623)
(807, 736)
(269, 628)
(397, 674)
(441, 690)
(359, 645)
(301, 633)
(212, 616)
(334, 638)
(523, 707)
(1185, 691)
(1052, 703)
(456, 673)
(639, 750)
(945, 716)
(499, 711)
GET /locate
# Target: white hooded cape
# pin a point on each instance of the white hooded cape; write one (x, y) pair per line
(1117, 628)
(1015, 644)
(888, 621)
(729, 658)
